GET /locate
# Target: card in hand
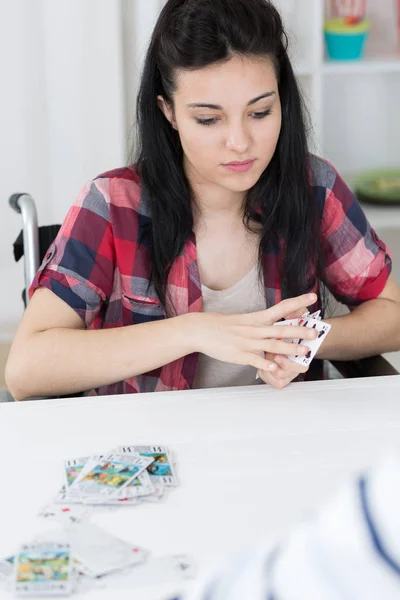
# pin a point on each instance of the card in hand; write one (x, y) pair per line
(316, 315)
(313, 345)
(43, 568)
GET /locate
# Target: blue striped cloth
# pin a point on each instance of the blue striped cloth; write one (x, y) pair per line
(350, 550)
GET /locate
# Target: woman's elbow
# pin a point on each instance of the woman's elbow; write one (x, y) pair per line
(16, 380)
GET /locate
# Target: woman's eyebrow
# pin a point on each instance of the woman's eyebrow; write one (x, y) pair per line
(218, 107)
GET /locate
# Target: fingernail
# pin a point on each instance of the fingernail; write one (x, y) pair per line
(271, 367)
(279, 359)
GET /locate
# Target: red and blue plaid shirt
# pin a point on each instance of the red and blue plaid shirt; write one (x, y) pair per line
(100, 263)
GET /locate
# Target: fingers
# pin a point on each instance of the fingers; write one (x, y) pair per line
(285, 373)
(260, 363)
(297, 313)
(275, 382)
(278, 347)
(286, 307)
(284, 332)
(285, 365)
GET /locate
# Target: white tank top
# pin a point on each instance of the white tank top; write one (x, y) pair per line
(247, 295)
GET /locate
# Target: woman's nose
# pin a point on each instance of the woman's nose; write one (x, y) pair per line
(238, 139)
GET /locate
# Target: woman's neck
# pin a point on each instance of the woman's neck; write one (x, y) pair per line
(211, 201)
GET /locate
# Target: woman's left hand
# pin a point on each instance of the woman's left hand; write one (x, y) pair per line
(288, 370)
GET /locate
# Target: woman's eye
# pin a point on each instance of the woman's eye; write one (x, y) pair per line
(213, 120)
(261, 115)
(206, 121)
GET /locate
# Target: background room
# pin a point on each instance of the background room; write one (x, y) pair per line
(70, 71)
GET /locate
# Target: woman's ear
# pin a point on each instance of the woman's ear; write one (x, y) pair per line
(166, 109)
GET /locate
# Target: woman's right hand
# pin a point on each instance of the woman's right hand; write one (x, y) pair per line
(243, 338)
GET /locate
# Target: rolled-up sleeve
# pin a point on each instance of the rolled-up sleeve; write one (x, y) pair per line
(357, 262)
(79, 265)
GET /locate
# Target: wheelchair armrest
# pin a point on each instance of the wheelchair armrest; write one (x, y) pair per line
(374, 366)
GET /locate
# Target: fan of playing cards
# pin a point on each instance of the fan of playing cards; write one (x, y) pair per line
(82, 552)
(312, 321)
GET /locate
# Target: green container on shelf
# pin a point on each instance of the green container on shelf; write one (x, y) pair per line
(378, 186)
(344, 41)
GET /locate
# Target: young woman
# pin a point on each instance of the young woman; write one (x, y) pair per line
(170, 273)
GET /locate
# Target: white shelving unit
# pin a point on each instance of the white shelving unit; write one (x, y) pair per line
(354, 106)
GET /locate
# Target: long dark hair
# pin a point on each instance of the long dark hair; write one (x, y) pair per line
(191, 34)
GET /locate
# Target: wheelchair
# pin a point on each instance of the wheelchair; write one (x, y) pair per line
(32, 244)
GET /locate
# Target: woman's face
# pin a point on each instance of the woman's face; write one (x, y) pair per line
(227, 113)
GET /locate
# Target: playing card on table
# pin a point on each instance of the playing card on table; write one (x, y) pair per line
(73, 467)
(155, 571)
(6, 568)
(44, 568)
(64, 513)
(136, 491)
(161, 467)
(101, 553)
(107, 476)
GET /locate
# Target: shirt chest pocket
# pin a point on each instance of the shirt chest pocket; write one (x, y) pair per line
(142, 308)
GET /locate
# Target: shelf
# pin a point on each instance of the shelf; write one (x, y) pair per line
(369, 64)
(382, 217)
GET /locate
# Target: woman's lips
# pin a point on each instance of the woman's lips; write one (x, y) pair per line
(240, 167)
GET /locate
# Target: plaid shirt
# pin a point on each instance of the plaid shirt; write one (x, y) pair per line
(99, 263)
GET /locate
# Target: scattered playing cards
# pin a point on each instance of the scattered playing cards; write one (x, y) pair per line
(82, 554)
(128, 475)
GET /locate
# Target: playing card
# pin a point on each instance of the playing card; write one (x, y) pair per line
(73, 468)
(64, 513)
(136, 491)
(316, 315)
(161, 467)
(64, 497)
(140, 486)
(44, 568)
(101, 553)
(290, 323)
(313, 345)
(6, 568)
(155, 571)
(107, 476)
(287, 323)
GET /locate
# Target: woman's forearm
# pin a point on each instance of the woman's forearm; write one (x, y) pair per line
(66, 361)
(371, 328)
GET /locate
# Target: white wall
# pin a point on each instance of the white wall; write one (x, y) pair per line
(64, 114)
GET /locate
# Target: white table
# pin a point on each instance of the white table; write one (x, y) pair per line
(251, 460)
